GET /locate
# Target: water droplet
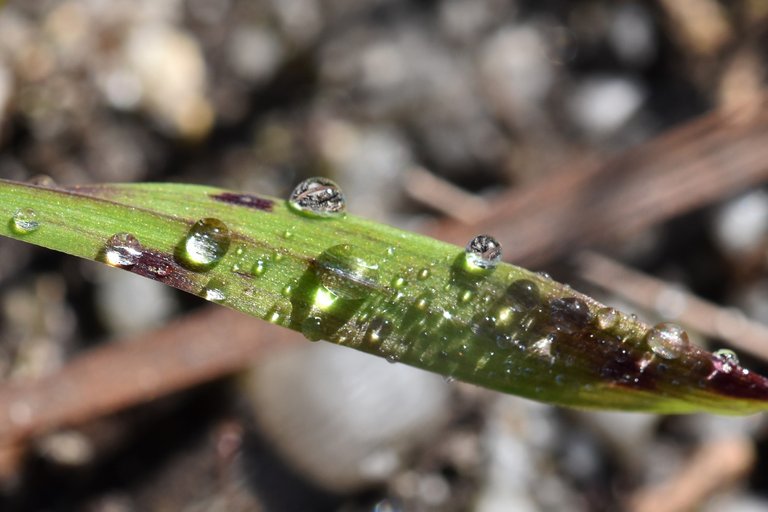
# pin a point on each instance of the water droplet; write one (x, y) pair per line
(42, 180)
(466, 296)
(287, 290)
(667, 340)
(607, 318)
(569, 314)
(122, 250)
(287, 234)
(205, 244)
(24, 221)
(727, 358)
(312, 328)
(483, 252)
(378, 330)
(260, 267)
(279, 256)
(344, 274)
(318, 197)
(398, 283)
(523, 295)
(390, 251)
(449, 379)
(214, 291)
(423, 274)
(278, 314)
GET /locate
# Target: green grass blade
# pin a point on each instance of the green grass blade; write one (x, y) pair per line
(388, 292)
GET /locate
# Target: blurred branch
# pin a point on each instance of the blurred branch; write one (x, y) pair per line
(709, 158)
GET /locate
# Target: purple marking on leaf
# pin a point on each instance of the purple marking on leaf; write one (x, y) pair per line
(162, 267)
(247, 200)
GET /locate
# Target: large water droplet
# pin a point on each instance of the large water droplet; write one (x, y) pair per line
(569, 314)
(205, 244)
(727, 358)
(122, 250)
(667, 340)
(344, 274)
(24, 221)
(483, 252)
(318, 197)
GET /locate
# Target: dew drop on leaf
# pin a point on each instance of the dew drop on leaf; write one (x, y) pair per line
(312, 328)
(667, 340)
(727, 358)
(483, 252)
(344, 274)
(259, 268)
(122, 250)
(607, 318)
(523, 295)
(205, 244)
(214, 291)
(24, 221)
(318, 197)
(569, 314)
(423, 274)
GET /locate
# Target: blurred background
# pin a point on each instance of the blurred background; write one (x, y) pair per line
(619, 145)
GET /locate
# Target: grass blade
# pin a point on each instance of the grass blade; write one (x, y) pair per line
(392, 293)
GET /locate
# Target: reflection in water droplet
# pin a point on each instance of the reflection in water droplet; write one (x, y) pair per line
(205, 244)
(24, 221)
(122, 250)
(569, 314)
(287, 290)
(483, 252)
(344, 274)
(423, 274)
(318, 197)
(667, 340)
(278, 314)
(466, 296)
(728, 359)
(607, 318)
(324, 299)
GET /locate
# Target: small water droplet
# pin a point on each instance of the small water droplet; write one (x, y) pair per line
(378, 330)
(449, 379)
(727, 358)
(483, 252)
(312, 328)
(122, 250)
(214, 291)
(287, 290)
(423, 274)
(318, 197)
(569, 314)
(279, 256)
(466, 296)
(523, 295)
(278, 314)
(287, 234)
(205, 244)
(607, 318)
(260, 267)
(390, 251)
(667, 340)
(398, 282)
(344, 274)
(24, 221)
